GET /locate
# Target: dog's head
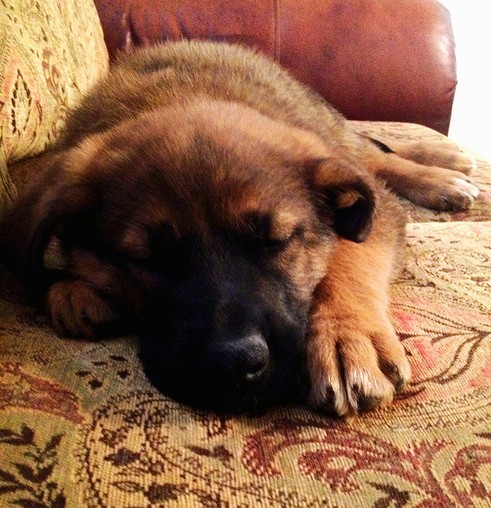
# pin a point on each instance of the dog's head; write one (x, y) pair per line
(214, 224)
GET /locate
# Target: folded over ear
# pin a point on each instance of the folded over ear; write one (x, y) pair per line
(345, 196)
(41, 211)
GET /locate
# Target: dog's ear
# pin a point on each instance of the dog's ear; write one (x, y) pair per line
(40, 212)
(344, 196)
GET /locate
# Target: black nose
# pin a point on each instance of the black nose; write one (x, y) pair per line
(244, 360)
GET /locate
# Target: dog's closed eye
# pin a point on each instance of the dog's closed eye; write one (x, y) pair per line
(162, 236)
(270, 233)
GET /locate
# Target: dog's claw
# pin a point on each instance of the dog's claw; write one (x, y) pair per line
(366, 404)
(459, 199)
(394, 375)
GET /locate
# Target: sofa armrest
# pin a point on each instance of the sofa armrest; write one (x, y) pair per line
(372, 59)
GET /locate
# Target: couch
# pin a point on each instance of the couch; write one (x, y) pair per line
(80, 425)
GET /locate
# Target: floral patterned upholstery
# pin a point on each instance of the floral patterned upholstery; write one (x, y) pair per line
(80, 425)
(50, 53)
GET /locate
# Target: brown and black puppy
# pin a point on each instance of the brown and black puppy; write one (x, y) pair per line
(235, 219)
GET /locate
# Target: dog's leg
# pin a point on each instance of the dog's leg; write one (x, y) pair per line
(429, 186)
(355, 358)
(442, 154)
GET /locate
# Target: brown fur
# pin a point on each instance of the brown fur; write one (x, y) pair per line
(209, 140)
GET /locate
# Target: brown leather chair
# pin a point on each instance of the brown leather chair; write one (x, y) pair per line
(372, 59)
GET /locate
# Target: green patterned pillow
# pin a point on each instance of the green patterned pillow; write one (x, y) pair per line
(51, 51)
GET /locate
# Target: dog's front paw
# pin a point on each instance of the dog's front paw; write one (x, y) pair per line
(354, 367)
(442, 189)
(76, 310)
(452, 191)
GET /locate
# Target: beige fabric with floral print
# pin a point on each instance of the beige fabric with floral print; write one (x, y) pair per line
(51, 51)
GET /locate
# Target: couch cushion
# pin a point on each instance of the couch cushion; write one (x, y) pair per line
(50, 53)
(80, 421)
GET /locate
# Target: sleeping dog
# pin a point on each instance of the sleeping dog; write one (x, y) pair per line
(236, 222)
